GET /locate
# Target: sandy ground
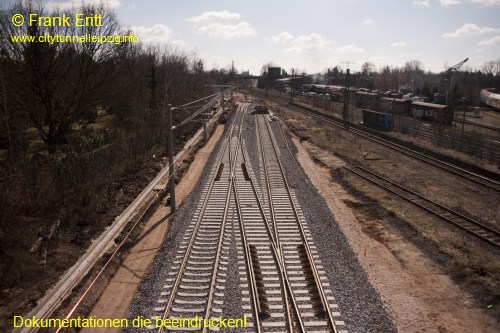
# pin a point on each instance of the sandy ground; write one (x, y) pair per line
(416, 293)
(421, 141)
(122, 288)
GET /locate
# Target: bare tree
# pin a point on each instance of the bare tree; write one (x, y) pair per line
(368, 68)
(414, 66)
(391, 78)
(414, 72)
(491, 67)
(63, 82)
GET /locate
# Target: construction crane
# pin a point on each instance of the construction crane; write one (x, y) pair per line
(447, 77)
(456, 67)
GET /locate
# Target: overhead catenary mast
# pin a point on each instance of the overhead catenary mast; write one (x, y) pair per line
(345, 113)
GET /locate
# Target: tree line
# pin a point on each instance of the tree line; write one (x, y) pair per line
(464, 84)
(78, 117)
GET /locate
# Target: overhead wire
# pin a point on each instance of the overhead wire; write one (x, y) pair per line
(126, 237)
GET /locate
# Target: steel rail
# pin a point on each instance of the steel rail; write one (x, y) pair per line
(321, 291)
(306, 178)
(248, 261)
(268, 184)
(63, 288)
(246, 246)
(419, 130)
(272, 222)
(274, 247)
(232, 186)
(283, 278)
(490, 232)
(223, 227)
(279, 248)
(494, 185)
(478, 179)
(193, 235)
(285, 284)
(474, 177)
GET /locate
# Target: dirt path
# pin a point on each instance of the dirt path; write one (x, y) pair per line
(416, 293)
(122, 288)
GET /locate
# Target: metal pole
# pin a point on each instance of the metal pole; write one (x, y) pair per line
(462, 134)
(205, 134)
(346, 101)
(171, 181)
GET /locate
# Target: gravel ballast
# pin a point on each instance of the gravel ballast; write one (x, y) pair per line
(359, 303)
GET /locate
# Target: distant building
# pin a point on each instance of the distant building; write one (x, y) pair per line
(294, 82)
(274, 72)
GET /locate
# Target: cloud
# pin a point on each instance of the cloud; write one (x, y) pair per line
(469, 29)
(368, 21)
(448, 3)
(217, 24)
(157, 33)
(311, 42)
(398, 44)
(482, 3)
(422, 3)
(283, 37)
(486, 3)
(224, 30)
(70, 4)
(350, 48)
(491, 41)
(213, 16)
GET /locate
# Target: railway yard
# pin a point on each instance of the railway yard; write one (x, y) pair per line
(380, 261)
(266, 248)
(408, 232)
(245, 167)
(296, 224)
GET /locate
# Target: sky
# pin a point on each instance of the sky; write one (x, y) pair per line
(312, 36)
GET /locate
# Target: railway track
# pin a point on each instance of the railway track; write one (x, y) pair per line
(453, 217)
(294, 240)
(283, 284)
(487, 182)
(466, 223)
(473, 177)
(194, 284)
